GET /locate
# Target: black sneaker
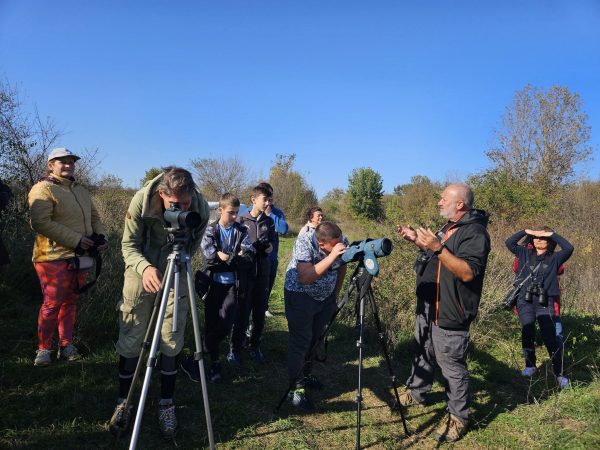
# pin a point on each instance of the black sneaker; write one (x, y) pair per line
(299, 400)
(191, 369)
(310, 381)
(214, 373)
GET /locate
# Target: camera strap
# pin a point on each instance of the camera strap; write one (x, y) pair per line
(76, 263)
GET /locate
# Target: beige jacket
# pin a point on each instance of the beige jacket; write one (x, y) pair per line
(62, 213)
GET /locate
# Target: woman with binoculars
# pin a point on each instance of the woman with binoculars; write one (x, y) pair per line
(538, 264)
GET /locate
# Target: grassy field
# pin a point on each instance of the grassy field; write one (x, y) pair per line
(66, 406)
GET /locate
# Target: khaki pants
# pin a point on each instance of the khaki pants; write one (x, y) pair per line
(134, 312)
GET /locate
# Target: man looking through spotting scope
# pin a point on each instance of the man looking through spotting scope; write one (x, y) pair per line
(450, 268)
(145, 250)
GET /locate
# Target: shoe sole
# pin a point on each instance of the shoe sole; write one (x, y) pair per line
(41, 364)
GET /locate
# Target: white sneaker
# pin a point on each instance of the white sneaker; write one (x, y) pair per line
(528, 371)
(268, 313)
(42, 358)
(70, 353)
(563, 382)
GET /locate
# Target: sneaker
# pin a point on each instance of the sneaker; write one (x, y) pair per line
(299, 400)
(167, 422)
(451, 430)
(563, 382)
(234, 359)
(407, 399)
(528, 371)
(312, 382)
(42, 358)
(268, 313)
(214, 373)
(257, 355)
(191, 369)
(70, 353)
(119, 422)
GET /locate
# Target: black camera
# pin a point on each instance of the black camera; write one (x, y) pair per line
(181, 220)
(261, 245)
(99, 240)
(536, 289)
(421, 262)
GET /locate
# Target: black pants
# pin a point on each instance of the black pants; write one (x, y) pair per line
(307, 319)
(551, 341)
(219, 313)
(252, 298)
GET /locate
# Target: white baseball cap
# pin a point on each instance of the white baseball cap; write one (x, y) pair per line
(61, 152)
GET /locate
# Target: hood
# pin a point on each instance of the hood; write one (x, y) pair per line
(475, 216)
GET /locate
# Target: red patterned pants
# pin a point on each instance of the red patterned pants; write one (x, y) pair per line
(60, 298)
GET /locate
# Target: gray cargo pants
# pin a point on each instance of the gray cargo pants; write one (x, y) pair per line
(447, 348)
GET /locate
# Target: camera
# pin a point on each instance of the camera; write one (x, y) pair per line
(368, 251)
(179, 220)
(536, 289)
(99, 240)
(261, 245)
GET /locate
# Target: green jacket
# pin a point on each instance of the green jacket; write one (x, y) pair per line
(144, 236)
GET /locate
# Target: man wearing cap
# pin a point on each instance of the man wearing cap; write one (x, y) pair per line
(64, 218)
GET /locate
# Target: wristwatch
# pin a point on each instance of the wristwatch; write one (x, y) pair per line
(437, 252)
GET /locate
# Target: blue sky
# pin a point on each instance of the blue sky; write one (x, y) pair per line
(405, 87)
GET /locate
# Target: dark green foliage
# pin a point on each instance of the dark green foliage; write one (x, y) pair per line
(365, 190)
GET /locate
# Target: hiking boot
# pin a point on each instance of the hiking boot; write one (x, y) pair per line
(299, 400)
(167, 422)
(407, 399)
(214, 373)
(43, 358)
(528, 372)
(310, 381)
(191, 369)
(119, 422)
(234, 359)
(451, 430)
(257, 355)
(563, 382)
(70, 353)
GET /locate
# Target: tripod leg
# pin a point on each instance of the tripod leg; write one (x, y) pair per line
(198, 355)
(152, 355)
(360, 345)
(386, 355)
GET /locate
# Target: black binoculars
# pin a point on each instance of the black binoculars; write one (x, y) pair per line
(536, 289)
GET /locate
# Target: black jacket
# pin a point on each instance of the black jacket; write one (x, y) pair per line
(546, 274)
(211, 244)
(261, 231)
(456, 302)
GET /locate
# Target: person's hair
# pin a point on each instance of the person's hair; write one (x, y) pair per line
(267, 186)
(327, 231)
(311, 211)
(260, 189)
(176, 181)
(551, 243)
(229, 199)
(465, 193)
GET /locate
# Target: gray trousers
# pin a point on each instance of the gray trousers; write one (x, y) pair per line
(307, 319)
(447, 348)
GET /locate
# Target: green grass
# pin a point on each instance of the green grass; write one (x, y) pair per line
(67, 406)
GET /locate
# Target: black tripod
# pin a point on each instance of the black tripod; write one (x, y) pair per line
(361, 283)
(178, 261)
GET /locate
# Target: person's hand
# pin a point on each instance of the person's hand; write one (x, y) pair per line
(539, 233)
(427, 240)
(85, 242)
(269, 249)
(267, 210)
(407, 232)
(104, 246)
(337, 250)
(223, 256)
(151, 279)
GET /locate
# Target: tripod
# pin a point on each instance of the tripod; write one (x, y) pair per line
(361, 282)
(177, 262)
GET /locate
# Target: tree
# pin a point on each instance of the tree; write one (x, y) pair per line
(216, 176)
(543, 135)
(365, 190)
(150, 174)
(333, 202)
(291, 191)
(414, 202)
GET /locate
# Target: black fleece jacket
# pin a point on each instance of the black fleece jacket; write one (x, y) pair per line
(457, 302)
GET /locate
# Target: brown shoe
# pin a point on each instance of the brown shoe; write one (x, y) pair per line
(451, 430)
(407, 399)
